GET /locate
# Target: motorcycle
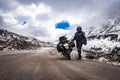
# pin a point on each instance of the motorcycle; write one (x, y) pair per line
(65, 47)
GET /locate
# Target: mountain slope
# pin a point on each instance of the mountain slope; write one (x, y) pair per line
(10, 40)
(105, 38)
(110, 28)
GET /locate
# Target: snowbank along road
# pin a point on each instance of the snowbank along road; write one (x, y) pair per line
(44, 64)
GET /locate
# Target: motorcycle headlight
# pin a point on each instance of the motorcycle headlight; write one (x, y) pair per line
(66, 46)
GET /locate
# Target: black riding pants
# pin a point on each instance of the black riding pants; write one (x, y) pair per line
(79, 46)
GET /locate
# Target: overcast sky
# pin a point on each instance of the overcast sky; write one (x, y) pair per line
(37, 18)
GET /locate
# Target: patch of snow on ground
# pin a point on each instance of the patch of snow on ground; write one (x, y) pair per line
(105, 44)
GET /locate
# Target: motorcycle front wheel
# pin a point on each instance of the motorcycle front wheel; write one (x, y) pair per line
(67, 54)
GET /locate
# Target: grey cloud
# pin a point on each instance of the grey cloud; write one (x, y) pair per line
(22, 18)
(33, 31)
(28, 2)
(38, 31)
(114, 9)
(60, 5)
(2, 23)
(43, 17)
(67, 5)
(7, 5)
(103, 6)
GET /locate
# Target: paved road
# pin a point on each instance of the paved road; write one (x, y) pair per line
(45, 65)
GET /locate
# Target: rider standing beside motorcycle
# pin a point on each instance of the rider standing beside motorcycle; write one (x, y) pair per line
(80, 40)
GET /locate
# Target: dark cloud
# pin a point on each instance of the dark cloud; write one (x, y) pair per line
(61, 5)
(114, 9)
(28, 2)
(67, 5)
(7, 5)
(105, 7)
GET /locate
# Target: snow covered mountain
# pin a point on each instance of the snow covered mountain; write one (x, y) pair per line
(104, 40)
(105, 37)
(10, 40)
(110, 28)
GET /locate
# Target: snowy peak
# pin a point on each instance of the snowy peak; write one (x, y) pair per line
(111, 25)
(110, 28)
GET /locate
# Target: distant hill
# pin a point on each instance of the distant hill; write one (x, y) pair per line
(11, 41)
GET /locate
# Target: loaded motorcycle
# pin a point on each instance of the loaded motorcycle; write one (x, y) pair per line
(65, 47)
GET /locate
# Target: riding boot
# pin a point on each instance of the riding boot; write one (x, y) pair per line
(79, 55)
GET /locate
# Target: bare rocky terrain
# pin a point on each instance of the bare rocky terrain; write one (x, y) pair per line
(45, 64)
